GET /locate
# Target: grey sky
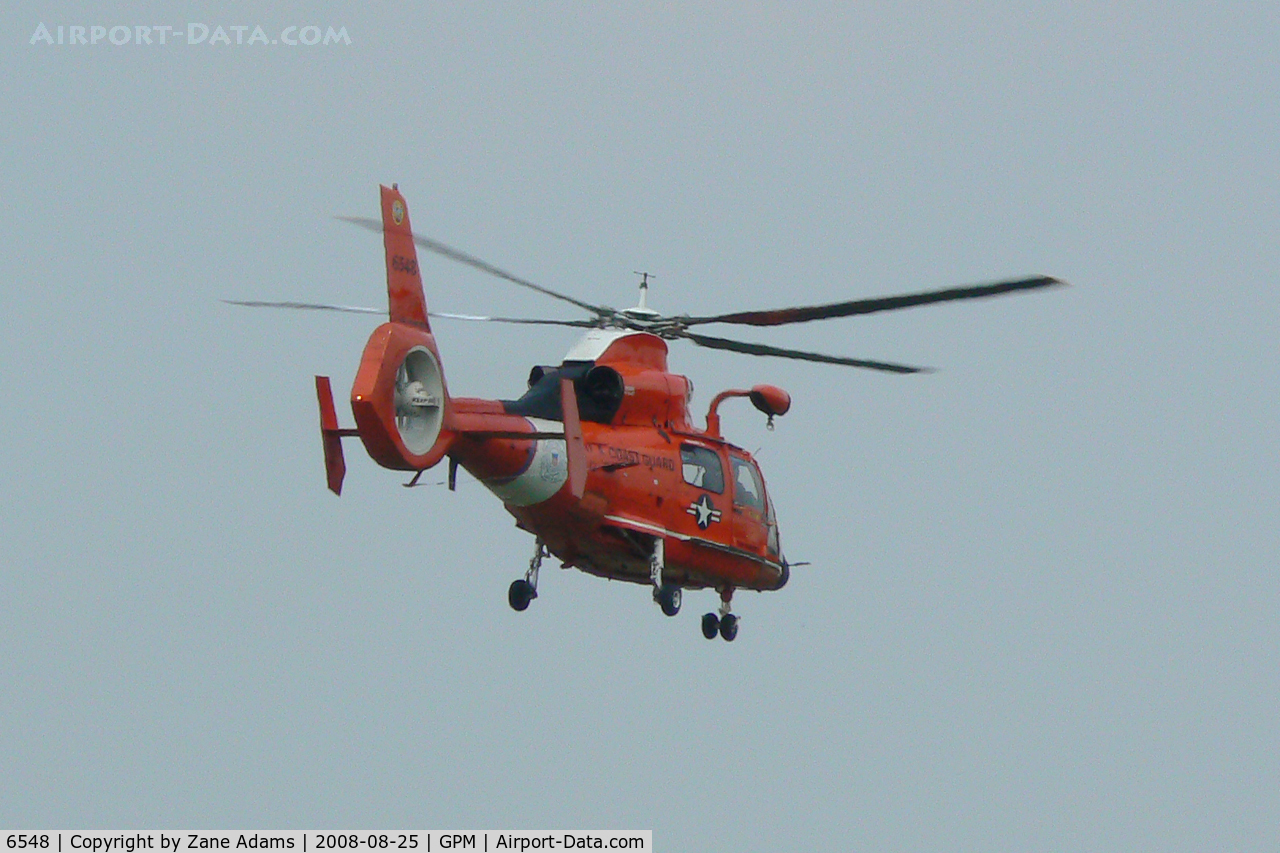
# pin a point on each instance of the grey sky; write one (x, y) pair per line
(1041, 611)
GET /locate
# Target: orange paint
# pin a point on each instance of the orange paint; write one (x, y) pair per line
(611, 466)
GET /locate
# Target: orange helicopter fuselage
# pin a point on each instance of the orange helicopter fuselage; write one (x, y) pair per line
(650, 472)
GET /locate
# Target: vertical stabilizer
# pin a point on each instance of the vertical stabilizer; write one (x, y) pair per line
(575, 447)
(334, 465)
(406, 304)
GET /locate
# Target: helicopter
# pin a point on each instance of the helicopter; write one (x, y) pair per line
(600, 458)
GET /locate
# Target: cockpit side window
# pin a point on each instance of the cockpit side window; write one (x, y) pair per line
(702, 468)
(748, 487)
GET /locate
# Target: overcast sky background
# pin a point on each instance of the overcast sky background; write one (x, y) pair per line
(1041, 610)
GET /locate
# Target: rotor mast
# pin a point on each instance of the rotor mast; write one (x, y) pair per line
(641, 318)
(644, 289)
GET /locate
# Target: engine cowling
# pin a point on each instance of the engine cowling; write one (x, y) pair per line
(400, 400)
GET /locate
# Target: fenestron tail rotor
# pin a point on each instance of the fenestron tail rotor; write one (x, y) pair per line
(419, 400)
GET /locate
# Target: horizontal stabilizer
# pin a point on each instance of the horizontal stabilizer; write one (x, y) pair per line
(335, 466)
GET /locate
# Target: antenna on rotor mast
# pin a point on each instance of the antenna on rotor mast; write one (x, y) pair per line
(644, 287)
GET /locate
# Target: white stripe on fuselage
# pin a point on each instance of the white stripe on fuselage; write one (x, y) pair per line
(658, 530)
(547, 472)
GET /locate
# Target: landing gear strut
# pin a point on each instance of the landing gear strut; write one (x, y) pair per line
(667, 595)
(524, 590)
(725, 623)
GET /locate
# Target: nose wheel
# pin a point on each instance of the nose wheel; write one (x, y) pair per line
(723, 623)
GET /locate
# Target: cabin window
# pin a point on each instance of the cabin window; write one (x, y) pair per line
(748, 488)
(702, 467)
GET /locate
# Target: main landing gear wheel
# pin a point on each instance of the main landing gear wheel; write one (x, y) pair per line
(728, 627)
(667, 594)
(525, 589)
(520, 594)
(710, 626)
(668, 597)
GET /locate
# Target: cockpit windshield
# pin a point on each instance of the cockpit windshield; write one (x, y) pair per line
(748, 487)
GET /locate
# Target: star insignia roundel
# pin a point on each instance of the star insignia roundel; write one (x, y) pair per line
(704, 512)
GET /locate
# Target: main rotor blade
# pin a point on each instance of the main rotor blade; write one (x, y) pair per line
(765, 349)
(484, 266)
(783, 316)
(308, 306)
(578, 324)
(356, 309)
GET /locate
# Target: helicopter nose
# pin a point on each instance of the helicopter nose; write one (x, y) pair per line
(786, 574)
